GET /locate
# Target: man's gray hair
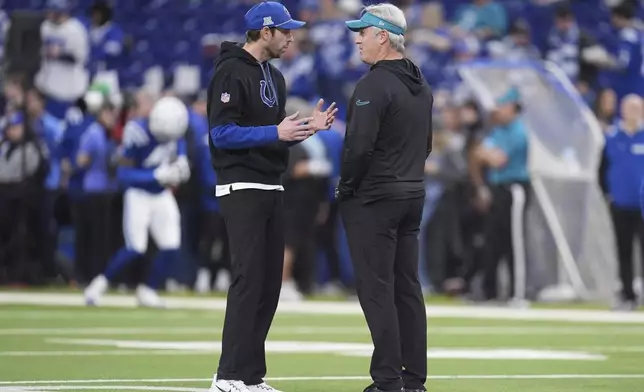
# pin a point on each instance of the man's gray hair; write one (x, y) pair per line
(394, 15)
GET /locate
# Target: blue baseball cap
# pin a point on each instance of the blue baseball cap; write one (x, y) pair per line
(270, 14)
(367, 19)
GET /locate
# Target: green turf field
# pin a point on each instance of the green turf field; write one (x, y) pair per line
(73, 348)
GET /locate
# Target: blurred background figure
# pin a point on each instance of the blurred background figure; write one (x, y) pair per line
(63, 77)
(305, 186)
(502, 157)
(23, 167)
(625, 173)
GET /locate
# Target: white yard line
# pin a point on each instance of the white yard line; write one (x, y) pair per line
(49, 383)
(211, 351)
(46, 388)
(97, 353)
(321, 330)
(314, 307)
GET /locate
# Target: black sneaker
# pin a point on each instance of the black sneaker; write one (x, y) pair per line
(373, 388)
(415, 390)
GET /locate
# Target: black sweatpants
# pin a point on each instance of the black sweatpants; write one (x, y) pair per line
(96, 225)
(255, 227)
(383, 242)
(498, 237)
(628, 226)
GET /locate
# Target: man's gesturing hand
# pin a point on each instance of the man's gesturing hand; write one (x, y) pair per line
(291, 130)
(322, 120)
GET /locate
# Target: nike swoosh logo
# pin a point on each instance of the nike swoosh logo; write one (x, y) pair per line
(362, 103)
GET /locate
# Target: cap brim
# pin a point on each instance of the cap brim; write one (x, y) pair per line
(292, 25)
(357, 25)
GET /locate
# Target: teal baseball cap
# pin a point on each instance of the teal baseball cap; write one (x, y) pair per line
(368, 19)
(512, 95)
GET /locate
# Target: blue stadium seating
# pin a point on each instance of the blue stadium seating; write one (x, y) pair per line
(169, 32)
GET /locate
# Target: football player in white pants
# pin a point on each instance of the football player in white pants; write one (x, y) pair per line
(154, 160)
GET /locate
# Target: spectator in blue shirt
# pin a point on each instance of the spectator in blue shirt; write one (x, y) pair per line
(95, 158)
(567, 43)
(628, 77)
(625, 171)
(107, 40)
(50, 130)
(503, 156)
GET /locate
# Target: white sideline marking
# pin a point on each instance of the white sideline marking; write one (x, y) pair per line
(349, 349)
(46, 388)
(501, 354)
(130, 314)
(336, 378)
(157, 352)
(314, 330)
(97, 353)
(328, 308)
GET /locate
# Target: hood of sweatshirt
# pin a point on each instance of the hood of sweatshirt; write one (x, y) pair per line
(233, 50)
(406, 71)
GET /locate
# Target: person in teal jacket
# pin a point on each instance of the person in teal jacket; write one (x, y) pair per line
(502, 158)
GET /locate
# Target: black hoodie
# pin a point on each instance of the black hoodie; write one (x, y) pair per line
(389, 134)
(246, 102)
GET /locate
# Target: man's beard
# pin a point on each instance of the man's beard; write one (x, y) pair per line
(275, 53)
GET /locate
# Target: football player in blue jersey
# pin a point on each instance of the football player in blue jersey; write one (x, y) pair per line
(153, 161)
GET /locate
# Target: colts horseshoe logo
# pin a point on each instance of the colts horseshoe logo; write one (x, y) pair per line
(265, 92)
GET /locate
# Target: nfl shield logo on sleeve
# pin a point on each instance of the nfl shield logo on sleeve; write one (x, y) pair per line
(225, 97)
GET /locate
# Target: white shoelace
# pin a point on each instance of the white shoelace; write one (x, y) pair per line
(264, 386)
(237, 386)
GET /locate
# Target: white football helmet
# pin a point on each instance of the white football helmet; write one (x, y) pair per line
(168, 119)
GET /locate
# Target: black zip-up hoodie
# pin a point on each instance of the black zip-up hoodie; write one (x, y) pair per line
(389, 134)
(246, 102)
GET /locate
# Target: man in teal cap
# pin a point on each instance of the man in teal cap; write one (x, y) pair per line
(502, 183)
(381, 196)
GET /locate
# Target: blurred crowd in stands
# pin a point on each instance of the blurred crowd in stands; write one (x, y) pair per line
(120, 56)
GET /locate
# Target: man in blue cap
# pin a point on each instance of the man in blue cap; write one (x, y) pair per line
(249, 150)
(382, 193)
(502, 180)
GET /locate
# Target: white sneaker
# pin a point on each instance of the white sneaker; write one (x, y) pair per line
(95, 290)
(223, 281)
(289, 292)
(148, 297)
(202, 284)
(228, 386)
(263, 387)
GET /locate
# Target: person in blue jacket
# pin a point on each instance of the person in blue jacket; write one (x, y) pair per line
(625, 160)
